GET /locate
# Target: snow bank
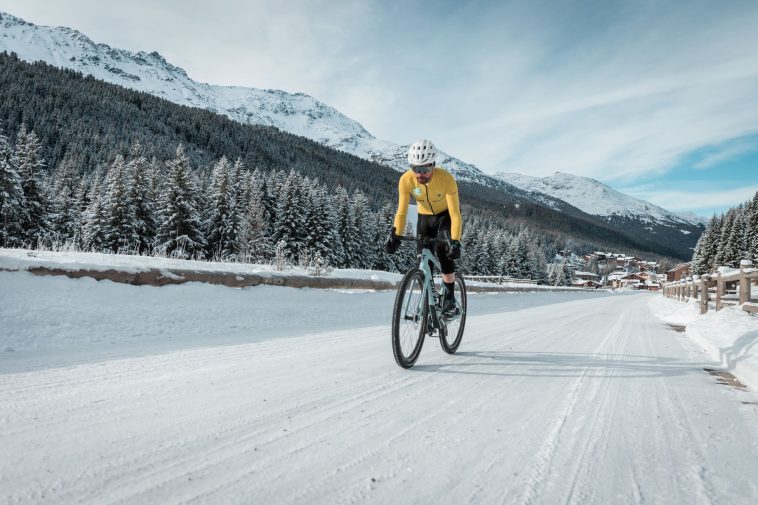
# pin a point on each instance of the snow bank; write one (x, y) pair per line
(24, 259)
(151, 271)
(728, 336)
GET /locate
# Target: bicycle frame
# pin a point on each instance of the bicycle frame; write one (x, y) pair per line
(425, 258)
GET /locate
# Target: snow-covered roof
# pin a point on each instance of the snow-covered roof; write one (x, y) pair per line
(584, 274)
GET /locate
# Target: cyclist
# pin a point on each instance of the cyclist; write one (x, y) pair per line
(436, 195)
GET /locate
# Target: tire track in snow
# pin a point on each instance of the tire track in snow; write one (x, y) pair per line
(541, 468)
(596, 436)
(688, 442)
(217, 453)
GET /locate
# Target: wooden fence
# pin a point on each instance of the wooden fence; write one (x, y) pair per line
(733, 288)
(498, 279)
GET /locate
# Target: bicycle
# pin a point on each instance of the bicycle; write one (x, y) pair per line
(412, 319)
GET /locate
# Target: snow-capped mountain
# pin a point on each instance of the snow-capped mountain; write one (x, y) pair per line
(594, 197)
(296, 113)
(635, 218)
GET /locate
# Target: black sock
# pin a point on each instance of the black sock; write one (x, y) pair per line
(449, 286)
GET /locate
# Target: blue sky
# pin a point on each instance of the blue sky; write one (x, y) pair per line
(658, 99)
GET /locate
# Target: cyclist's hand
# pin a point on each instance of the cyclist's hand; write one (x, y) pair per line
(455, 250)
(393, 242)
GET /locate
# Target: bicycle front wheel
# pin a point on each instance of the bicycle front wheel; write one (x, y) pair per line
(409, 318)
(451, 333)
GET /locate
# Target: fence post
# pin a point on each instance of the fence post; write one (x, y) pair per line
(695, 286)
(720, 288)
(744, 281)
(690, 288)
(704, 294)
(686, 289)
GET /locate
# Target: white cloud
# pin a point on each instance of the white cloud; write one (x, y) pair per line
(618, 91)
(672, 88)
(726, 152)
(700, 201)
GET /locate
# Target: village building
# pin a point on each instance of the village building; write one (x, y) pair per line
(682, 270)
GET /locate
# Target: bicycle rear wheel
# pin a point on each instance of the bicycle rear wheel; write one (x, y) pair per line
(451, 332)
(409, 319)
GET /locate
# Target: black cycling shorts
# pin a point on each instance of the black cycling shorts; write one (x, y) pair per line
(431, 226)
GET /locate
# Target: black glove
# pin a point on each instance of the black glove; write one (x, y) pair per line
(455, 250)
(393, 242)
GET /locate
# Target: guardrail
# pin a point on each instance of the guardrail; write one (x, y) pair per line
(498, 279)
(724, 288)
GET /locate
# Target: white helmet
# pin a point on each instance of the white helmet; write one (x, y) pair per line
(422, 152)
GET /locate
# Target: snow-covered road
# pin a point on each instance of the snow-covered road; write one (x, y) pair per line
(585, 400)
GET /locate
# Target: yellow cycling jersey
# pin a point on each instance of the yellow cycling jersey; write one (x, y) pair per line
(438, 195)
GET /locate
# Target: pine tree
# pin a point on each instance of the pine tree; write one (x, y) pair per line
(724, 253)
(331, 243)
(179, 231)
(142, 198)
(222, 228)
(736, 248)
(65, 215)
(384, 221)
(12, 201)
(272, 191)
(520, 254)
(406, 257)
(346, 228)
(95, 220)
(567, 273)
(529, 261)
(751, 230)
(488, 254)
(321, 231)
(540, 262)
(237, 185)
(555, 275)
(365, 250)
(470, 242)
(291, 213)
(29, 163)
(506, 258)
(122, 222)
(704, 256)
(82, 203)
(255, 239)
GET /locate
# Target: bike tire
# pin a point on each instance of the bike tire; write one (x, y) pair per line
(454, 328)
(409, 318)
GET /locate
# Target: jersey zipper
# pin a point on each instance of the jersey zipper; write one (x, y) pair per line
(429, 200)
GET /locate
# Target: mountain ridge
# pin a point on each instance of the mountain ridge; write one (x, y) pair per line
(295, 113)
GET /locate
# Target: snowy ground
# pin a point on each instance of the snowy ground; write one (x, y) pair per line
(111, 393)
(728, 336)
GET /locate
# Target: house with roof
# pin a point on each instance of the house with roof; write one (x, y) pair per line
(682, 270)
(586, 280)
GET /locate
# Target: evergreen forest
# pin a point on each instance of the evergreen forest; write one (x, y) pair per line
(92, 166)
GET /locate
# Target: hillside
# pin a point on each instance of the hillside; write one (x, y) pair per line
(90, 121)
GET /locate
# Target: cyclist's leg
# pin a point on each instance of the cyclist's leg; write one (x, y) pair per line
(426, 227)
(448, 265)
